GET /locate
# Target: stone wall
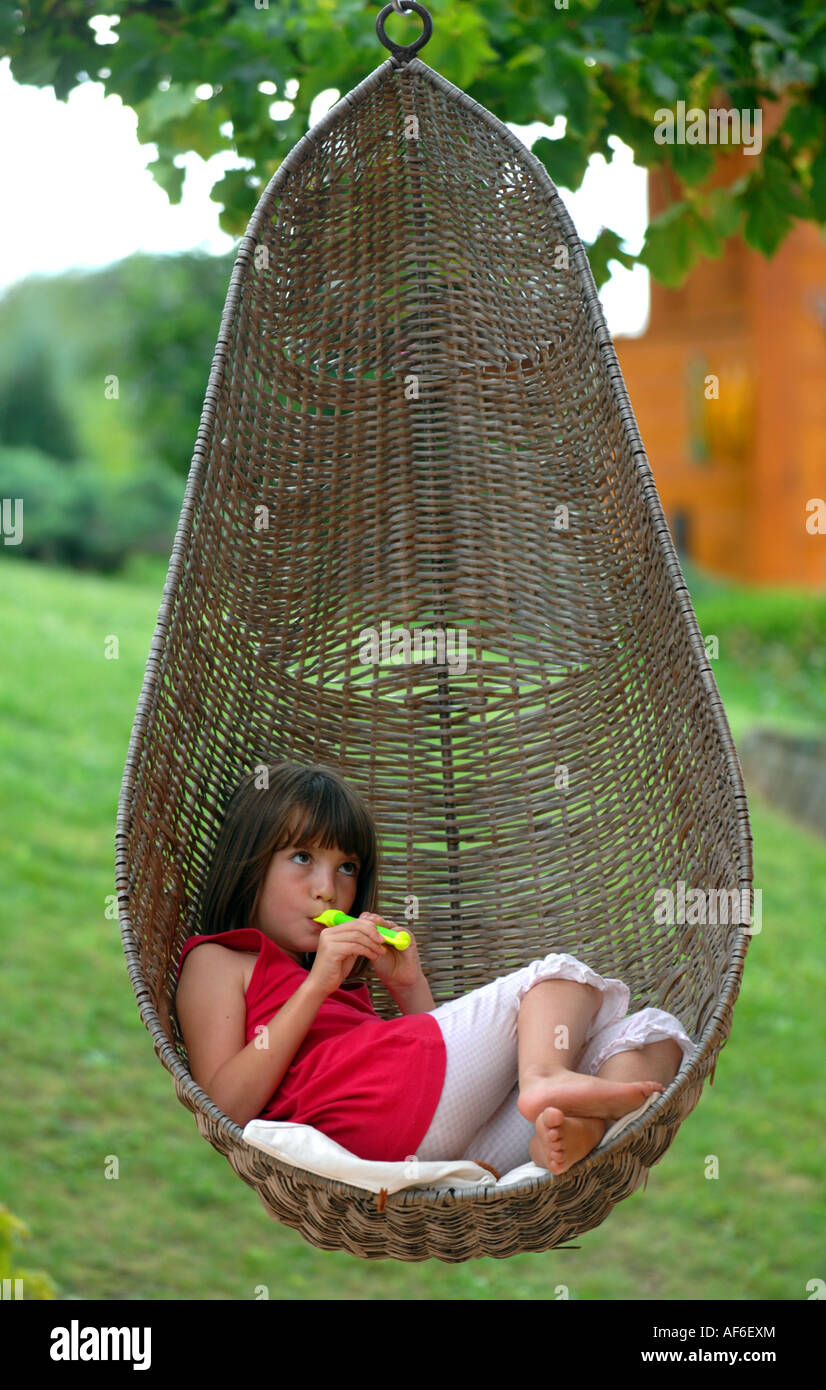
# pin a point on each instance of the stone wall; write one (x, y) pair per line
(789, 770)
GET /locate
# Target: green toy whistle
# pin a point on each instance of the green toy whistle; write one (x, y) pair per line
(331, 918)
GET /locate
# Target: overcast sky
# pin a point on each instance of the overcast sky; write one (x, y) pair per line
(76, 192)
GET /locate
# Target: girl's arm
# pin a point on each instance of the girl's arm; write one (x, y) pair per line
(413, 999)
(212, 1012)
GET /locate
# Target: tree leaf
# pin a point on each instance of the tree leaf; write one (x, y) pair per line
(749, 19)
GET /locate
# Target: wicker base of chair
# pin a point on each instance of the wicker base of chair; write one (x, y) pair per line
(418, 1224)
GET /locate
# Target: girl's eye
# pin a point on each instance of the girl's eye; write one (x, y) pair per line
(351, 862)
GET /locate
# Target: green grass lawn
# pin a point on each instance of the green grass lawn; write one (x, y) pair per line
(81, 1081)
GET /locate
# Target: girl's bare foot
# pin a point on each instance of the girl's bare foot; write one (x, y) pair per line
(577, 1094)
(561, 1140)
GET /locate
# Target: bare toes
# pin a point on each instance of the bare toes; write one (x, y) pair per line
(552, 1119)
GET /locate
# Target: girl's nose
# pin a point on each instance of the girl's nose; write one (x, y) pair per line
(326, 886)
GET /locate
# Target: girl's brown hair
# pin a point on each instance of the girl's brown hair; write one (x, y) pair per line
(295, 804)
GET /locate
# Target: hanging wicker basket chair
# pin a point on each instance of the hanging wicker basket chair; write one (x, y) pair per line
(415, 418)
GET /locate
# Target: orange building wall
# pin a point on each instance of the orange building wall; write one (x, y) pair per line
(741, 468)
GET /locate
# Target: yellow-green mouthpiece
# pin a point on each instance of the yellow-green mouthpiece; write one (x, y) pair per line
(332, 918)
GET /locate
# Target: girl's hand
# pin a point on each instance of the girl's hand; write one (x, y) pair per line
(338, 948)
(395, 969)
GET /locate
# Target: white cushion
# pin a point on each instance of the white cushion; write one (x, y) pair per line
(307, 1148)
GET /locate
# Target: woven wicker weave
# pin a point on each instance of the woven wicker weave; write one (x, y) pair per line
(413, 382)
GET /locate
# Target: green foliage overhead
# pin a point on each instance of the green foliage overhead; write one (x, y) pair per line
(610, 67)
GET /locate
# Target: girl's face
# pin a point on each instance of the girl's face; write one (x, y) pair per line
(302, 881)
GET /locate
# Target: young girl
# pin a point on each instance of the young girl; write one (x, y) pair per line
(278, 1022)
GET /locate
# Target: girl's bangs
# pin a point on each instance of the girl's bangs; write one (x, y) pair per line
(330, 825)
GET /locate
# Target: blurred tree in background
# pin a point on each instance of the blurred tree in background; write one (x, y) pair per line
(103, 474)
(31, 411)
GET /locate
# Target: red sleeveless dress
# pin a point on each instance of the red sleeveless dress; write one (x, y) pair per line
(372, 1084)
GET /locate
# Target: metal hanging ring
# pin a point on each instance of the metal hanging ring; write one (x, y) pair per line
(403, 52)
